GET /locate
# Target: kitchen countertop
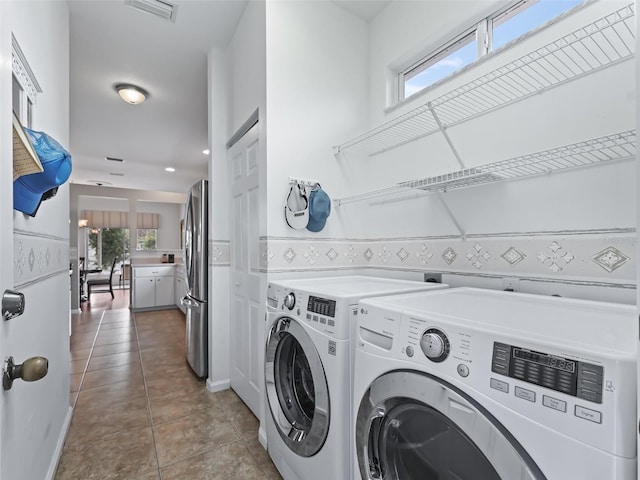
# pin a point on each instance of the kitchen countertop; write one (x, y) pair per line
(135, 265)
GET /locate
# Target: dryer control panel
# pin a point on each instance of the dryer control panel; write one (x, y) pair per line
(579, 379)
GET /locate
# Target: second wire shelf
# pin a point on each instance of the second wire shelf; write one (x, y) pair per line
(618, 146)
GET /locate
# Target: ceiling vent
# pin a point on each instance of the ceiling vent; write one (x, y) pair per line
(117, 174)
(159, 8)
(113, 159)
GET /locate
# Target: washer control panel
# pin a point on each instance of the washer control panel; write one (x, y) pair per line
(579, 379)
(322, 306)
(435, 345)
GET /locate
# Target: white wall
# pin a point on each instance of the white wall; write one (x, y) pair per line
(170, 215)
(316, 96)
(588, 212)
(35, 416)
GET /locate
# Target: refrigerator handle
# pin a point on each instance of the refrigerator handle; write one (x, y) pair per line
(189, 302)
(188, 239)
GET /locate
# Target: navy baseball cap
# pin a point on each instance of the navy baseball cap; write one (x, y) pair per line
(319, 209)
(28, 190)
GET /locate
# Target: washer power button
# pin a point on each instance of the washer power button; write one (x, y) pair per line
(409, 351)
(463, 370)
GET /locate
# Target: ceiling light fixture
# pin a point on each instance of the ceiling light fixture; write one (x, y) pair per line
(206, 152)
(170, 169)
(131, 93)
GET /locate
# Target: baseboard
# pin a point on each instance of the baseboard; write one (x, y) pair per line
(58, 451)
(262, 437)
(218, 386)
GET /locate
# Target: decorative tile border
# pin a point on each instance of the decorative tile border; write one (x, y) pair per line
(591, 256)
(38, 257)
(219, 253)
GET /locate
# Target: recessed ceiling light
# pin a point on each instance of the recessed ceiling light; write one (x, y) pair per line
(170, 169)
(131, 94)
(206, 152)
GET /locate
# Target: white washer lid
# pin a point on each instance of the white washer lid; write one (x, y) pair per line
(596, 324)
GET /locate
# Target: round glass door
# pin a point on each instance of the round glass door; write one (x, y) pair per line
(297, 390)
(406, 453)
(415, 426)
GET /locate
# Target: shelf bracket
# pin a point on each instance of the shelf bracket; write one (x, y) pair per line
(451, 215)
(443, 130)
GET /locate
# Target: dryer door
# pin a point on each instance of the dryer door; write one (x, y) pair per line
(414, 426)
(296, 385)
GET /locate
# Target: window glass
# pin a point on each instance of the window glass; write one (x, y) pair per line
(105, 244)
(29, 113)
(526, 17)
(146, 238)
(442, 65)
(17, 97)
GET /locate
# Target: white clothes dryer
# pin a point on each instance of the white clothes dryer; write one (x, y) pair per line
(471, 384)
(308, 367)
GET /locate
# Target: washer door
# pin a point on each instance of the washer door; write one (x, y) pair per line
(296, 386)
(414, 426)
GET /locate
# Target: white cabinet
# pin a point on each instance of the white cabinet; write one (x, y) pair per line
(144, 292)
(180, 287)
(153, 286)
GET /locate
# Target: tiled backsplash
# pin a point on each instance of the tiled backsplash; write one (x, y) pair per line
(606, 256)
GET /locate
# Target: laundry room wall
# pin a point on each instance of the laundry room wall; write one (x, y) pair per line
(573, 226)
(316, 95)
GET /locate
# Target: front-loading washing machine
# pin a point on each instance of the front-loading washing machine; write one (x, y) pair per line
(308, 367)
(472, 384)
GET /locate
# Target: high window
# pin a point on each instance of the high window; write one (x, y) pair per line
(488, 35)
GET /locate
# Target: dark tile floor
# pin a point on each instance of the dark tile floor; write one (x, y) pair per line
(140, 413)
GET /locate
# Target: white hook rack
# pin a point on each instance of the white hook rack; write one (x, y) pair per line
(303, 182)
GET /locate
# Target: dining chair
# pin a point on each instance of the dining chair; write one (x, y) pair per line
(97, 282)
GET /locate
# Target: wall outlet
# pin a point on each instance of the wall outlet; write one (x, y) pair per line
(433, 277)
(511, 284)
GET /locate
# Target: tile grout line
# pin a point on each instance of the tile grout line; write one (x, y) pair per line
(86, 366)
(146, 394)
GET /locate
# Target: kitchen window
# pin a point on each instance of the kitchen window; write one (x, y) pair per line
(490, 34)
(146, 238)
(105, 244)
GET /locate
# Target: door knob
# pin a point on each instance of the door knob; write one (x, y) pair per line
(12, 304)
(31, 370)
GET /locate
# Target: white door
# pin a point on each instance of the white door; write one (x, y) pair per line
(34, 255)
(247, 311)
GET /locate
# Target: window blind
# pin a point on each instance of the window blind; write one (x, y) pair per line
(148, 220)
(105, 219)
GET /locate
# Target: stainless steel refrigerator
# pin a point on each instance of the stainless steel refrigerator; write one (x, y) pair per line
(196, 264)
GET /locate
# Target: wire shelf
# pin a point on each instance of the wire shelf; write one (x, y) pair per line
(603, 43)
(619, 146)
